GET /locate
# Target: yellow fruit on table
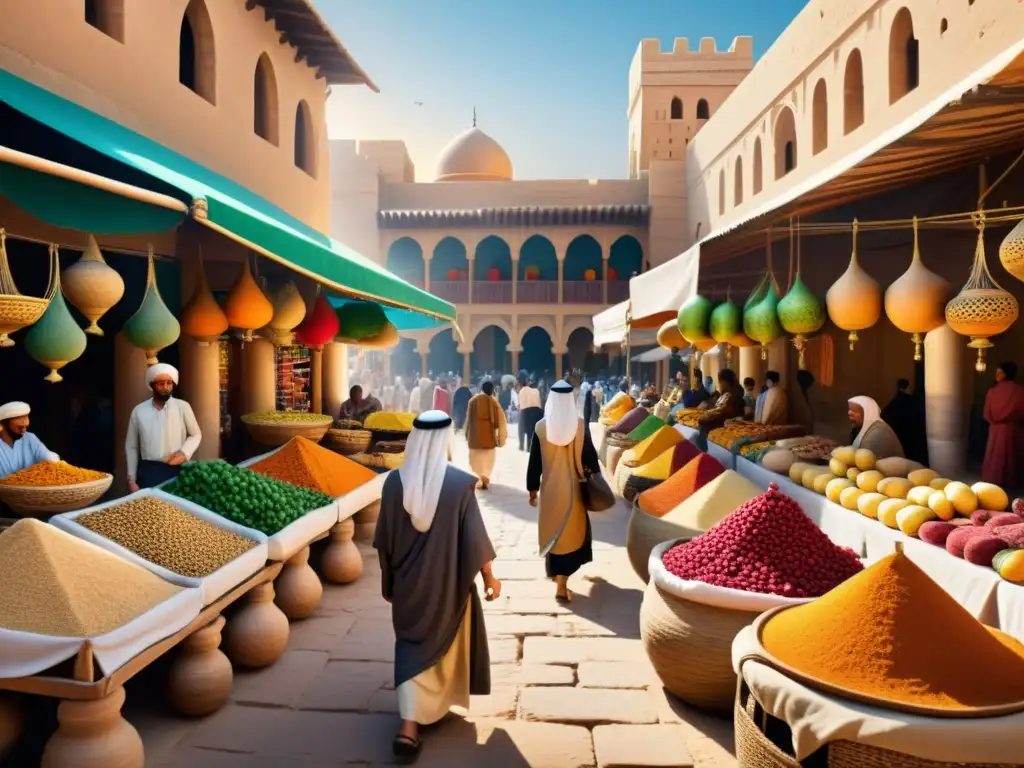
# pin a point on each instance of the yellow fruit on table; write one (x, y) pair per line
(839, 469)
(852, 473)
(864, 459)
(796, 470)
(821, 482)
(991, 496)
(922, 476)
(941, 506)
(845, 454)
(887, 511)
(848, 498)
(909, 519)
(920, 494)
(807, 480)
(868, 480)
(1009, 564)
(835, 488)
(868, 504)
(895, 487)
(939, 483)
(964, 500)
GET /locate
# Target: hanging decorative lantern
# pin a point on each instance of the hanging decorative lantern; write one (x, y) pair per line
(705, 345)
(493, 274)
(55, 339)
(669, 336)
(613, 273)
(693, 319)
(725, 325)
(915, 302)
(590, 275)
(16, 310)
(532, 272)
(246, 307)
(386, 339)
(360, 320)
(453, 275)
(320, 326)
(289, 311)
(855, 300)
(92, 286)
(152, 327)
(760, 318)
(802, 314)
(1011, 251)
(202, 318)
(982, 308)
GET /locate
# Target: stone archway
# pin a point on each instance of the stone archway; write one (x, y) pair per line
(537, 357)
(580, 346)
(405, 259)
(490, 352)
(449, 271)
(444, 356)
(492, 272)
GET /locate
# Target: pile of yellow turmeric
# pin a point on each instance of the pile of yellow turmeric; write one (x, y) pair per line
(51, 473)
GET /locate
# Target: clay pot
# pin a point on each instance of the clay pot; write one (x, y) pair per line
(257, 635)
(298, 590)
(92, 734)
(200, 679)
(341, 562)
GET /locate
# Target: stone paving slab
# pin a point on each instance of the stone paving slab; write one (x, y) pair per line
(283, 682)
(499, 624)
(616, 674)
(531, 674)
(576, 650)
(587, 706)
(507, 744)
(348, 685)
(641, 746)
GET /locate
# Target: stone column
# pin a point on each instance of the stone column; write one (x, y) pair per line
(129, 390)
(750, 364)
(470, 259)
(945, 400)
(335, 377)
(465, 365)
(559, 357)
(561, 280)
(515, 278)
(515, 361)
(604, 279)
(259, 386)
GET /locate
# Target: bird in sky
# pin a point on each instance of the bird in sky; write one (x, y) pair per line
(418, 103)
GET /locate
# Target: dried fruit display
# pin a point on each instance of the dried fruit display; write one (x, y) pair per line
(816, 448)
(735, 431)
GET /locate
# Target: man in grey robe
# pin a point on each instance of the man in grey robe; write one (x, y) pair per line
(432, 543)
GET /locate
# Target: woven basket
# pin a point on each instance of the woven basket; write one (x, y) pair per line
(53, 499)
(349, 441)
(379, 460)
(17, 312)
(689, 645)
(636, 485)
(644, 532)
(279, 433)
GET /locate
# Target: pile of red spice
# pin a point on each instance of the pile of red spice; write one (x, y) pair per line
(767, 545)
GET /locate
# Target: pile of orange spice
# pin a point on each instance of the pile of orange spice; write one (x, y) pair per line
(303, 463)
(892, 633)
(51, 473)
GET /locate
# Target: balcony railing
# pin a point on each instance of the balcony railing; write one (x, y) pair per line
(492, 292)
(529, 291)
(582, 292)
(537, 292)
(456, 292)
(618, 290)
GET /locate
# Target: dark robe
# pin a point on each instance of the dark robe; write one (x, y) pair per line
(1004, 454)
(899, 414)
(460, 403)
(428, 577)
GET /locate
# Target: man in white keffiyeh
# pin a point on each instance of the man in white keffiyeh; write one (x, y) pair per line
(432, 543)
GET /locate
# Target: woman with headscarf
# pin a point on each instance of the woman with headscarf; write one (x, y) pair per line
(432, 542)
(460, 405)
(870, 431)
(562, 455)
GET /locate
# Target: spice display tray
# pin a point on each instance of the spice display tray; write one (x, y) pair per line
(360, 497)
(215, 584)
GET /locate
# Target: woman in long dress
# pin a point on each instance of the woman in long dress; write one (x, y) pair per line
(562, 454)
(870, 431)
(1004, 411)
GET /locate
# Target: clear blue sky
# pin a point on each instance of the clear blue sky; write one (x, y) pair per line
(548, 77)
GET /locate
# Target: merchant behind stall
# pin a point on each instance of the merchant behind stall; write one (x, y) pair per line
(357, 407)
(19, 448)
(162, 432)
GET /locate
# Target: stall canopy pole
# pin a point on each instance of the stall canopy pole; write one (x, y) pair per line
(629, 320)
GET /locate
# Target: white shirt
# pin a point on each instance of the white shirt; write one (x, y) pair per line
(529, 398)
(155, 433)
(24, 453)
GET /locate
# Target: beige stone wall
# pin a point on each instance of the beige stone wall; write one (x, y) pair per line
(501, 194)
(135, 82)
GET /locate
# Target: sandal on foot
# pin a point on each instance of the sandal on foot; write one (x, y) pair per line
(406, 748)
(566, 598)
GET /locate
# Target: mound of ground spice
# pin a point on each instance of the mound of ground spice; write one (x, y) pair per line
(683, 453)
(51, 473)
(893, 633)
(646, 428)
(303, 463)
(630, 421)
(713, 501)
(652, 447)
(52, 583)
(661, 500)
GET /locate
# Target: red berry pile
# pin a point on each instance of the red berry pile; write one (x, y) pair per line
(768, 545)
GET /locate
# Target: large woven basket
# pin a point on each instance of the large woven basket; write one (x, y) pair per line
(52, 499)
(17, 312)
(349, 441)
(644, 532)
(689, 645)
(764, 741)
(635, 485)
(279, 433)
(379, 460)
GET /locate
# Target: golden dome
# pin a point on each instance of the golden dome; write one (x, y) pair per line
(473, 156)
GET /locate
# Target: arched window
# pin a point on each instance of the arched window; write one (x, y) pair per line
(703, 112)
(721, 192)
(196, 56)
(904, 65)
(785, 143)
(107, 16)
(305, 139)
(758, 165)
(737, 191)
(677, 108)
(819, 138)
(853, 93)
(264, 100)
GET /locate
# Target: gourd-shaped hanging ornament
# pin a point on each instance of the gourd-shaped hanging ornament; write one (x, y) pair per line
(202, 318)
(17, 310)
(855, 300)
(320, 326)
(359, 320)
(982, 308)
(153, 327)
(725, 325)
(245, 306)
(92, 286)
(693, 319)
(669, 336)
(761, 321)
(915, 302)
(386, 339)
(1011, 251)
(802, 314)
(55, 339)
(289, 311)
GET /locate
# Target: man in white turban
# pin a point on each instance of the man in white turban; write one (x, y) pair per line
(432, 543)
(162, 432)
(19, 448)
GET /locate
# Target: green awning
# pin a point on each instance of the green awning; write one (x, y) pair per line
(223, 205)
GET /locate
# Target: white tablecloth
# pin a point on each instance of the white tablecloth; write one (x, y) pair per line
(994, 601)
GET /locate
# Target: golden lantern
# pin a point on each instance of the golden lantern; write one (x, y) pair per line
(202, 318)
(92, 286)
(669, 336)
(854, 301)
(983, 308)
(289, 311)
(915, 302)
(1011, 251)
(245, 306)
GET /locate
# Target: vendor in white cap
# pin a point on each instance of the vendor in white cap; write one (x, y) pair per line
(19, 448)
(162, 432)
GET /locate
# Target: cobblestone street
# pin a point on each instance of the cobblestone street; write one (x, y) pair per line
(571, 684)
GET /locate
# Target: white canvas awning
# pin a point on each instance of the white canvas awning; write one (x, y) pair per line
(610, 325)
(653, 355)
(658, 294)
